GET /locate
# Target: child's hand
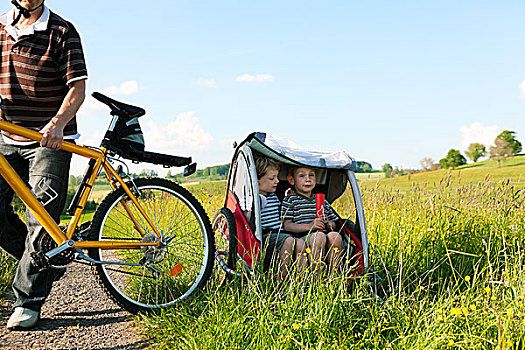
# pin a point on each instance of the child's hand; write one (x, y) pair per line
(317, 224)
(331, 225)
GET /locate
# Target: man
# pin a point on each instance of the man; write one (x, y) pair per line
(42, 85)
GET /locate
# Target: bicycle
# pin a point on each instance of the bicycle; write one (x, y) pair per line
(150, 241)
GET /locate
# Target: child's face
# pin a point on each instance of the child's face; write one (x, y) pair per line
(304, 181)
(268, 182)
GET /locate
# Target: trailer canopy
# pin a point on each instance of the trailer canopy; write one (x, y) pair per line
(287, 152)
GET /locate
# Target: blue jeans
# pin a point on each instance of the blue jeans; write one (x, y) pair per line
(42, 168)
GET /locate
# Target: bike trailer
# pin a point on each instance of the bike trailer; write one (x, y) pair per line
(237, 226)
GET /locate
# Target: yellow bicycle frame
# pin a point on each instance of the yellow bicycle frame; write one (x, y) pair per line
(30, 200)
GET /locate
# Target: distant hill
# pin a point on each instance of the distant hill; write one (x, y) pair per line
(518, 160)
(512, 169)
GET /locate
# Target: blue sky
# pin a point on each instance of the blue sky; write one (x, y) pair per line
(387, 81)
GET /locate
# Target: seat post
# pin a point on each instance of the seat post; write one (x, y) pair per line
(114, 121)
(108, 136)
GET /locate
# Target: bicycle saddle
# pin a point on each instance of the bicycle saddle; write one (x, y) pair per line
(121, 109)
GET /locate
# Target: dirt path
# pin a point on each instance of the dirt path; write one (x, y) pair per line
(77, 315)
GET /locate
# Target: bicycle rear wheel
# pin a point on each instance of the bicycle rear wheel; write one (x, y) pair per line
(153, 277)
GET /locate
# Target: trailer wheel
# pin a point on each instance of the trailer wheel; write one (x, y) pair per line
(225, 231)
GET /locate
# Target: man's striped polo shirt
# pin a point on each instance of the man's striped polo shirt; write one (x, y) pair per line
(37, 65)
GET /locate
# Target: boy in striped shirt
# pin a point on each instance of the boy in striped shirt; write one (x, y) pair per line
(298, 212)
(280, 246)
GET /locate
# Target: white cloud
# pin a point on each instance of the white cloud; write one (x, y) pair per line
(182, 135)
(126, 88)
(258, 78)
(92, 106)
(477, 132)
(209, 83)
(522, 88)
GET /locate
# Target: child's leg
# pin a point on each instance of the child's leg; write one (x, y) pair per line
(335, 251)
(301, 258)
(284, 257)
(317, 243)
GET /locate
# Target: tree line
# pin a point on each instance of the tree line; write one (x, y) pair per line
(505, 145)
(217, 172)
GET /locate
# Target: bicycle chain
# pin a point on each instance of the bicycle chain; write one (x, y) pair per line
(62, 259)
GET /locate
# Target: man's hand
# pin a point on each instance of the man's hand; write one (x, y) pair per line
(52, 135)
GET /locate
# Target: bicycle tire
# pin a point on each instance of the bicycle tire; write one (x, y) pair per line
(154, 284)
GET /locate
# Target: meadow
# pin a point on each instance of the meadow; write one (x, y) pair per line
(449, 259)
(447, 265)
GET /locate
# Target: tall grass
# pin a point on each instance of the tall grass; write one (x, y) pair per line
(450, 260)
(7, 269)
(448, 265)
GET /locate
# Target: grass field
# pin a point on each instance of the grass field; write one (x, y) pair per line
(369, 176)
(447, 245)
(513, 170)
(450, 257)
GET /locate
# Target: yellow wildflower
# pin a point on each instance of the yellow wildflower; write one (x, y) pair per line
(487, 290)
(451, 342)
(455, 311)
(295, 326)
(473, 307)
(467, 278)
(308, 250)
(493, 298)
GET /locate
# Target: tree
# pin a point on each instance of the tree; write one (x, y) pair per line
(443, 162)
(435, 166)
(148, 173)
(364, 167)
(475, 151)
(387, 169)
(501, 150)
(426, 163)
(511, 140)
(453, 159)
(75, 180)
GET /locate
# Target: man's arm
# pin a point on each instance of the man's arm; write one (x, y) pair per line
(53, 132)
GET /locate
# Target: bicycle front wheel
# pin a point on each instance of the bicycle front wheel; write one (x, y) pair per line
(152, 277)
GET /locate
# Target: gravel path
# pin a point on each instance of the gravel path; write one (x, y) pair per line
(77, 315)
